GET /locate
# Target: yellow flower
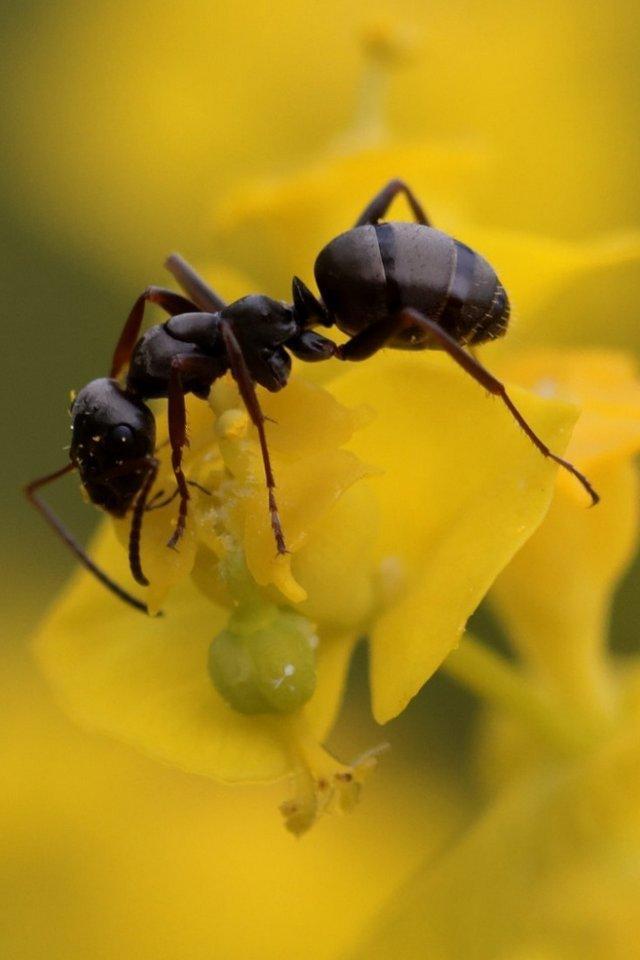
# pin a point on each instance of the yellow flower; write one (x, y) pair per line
(551, 867)
(105, 853)
(538, 272)
(398, 521)
(562, 633)
(548, 869)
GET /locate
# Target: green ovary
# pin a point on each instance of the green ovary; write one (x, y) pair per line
(265, 660)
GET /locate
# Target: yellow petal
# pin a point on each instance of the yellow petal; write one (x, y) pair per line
(306, 491)
(536, 270)
(145, 680)
(462, 491)
(306, 428)
(337, 563)
(307, 420)
(295, 216)
(604, 384)
(163, 567)
(555, 596)
(87, 821)
(551, 865)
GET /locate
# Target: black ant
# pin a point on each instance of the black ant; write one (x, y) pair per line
(390, 284)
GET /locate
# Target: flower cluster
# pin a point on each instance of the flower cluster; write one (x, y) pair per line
(407, 496)
(550, 869)
(404, 494)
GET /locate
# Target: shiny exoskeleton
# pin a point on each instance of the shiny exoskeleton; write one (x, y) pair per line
(385, 284)
(373, 272)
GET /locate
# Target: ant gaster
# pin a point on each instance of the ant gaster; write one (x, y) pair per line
(385, 284)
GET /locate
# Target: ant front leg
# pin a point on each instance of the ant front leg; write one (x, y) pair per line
(243, 378)
(135, 532)
(31, 493)
(147, 467)
(159, 500)
(376, 210)
(204, 370)
(173, 303)
(373, 338)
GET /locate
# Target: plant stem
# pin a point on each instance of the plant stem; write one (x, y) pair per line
(491, 677)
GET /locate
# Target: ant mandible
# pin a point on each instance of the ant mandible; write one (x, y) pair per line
(385, 284)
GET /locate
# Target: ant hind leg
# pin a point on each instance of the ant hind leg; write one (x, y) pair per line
(376, 209)
(173, 303)
(373, 338)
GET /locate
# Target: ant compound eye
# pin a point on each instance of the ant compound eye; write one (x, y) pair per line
(122, 438)
(265, 667)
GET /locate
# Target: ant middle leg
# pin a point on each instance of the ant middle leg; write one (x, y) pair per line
(376, 209)
(205, 370)
(173, 303)
(373, 338)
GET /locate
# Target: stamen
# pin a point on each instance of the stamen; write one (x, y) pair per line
(386, 45)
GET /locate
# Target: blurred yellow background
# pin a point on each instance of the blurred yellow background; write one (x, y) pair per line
(124, 125)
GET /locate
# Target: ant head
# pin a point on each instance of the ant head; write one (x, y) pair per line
(113, 434)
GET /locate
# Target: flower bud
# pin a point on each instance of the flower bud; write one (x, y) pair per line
(265, 661)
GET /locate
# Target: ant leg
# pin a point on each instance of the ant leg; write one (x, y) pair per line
(205, 369)
(366, 343)
(198, 486)
(172, 302)
(243, 378)
(311, 346)
(157, 504)
(135, 531)
(61, 531)
(155, 500)
(370, 340)
(192, 283)
(375, 210)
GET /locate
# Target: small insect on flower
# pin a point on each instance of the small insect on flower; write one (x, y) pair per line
(385, 284)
